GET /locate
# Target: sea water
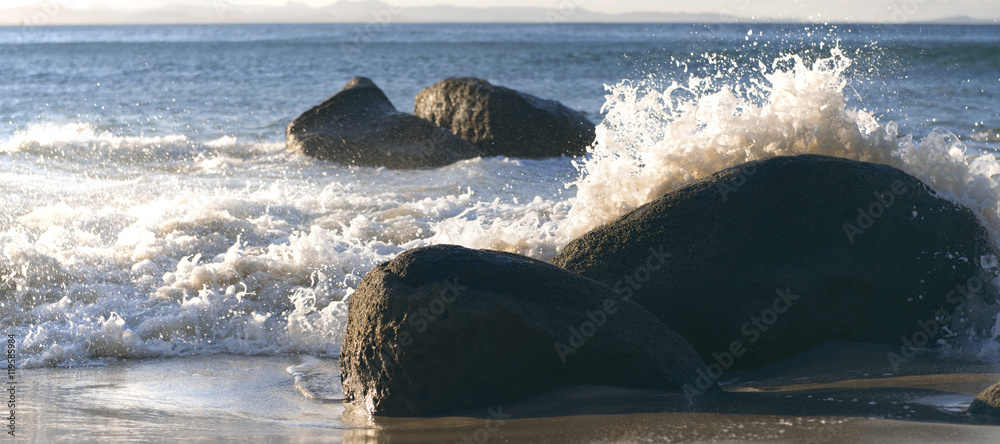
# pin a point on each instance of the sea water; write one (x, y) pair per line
(151, 211)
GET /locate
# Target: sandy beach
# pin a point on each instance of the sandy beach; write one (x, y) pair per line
(239, 398)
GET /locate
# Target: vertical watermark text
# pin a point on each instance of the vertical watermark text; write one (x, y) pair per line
(11, 355)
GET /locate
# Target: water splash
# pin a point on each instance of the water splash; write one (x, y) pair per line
(118, 246)
(655, 141)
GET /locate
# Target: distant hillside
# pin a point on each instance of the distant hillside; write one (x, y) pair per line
(963, 20)
(341, 12)
(367, 11)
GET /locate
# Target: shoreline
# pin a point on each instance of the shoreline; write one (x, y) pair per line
(257, 398)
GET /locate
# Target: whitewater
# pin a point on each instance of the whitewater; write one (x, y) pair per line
(124, 241)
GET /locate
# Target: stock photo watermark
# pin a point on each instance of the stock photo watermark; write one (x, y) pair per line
(597, 318)
(11, 355)
(566, 10)
(872, 212)
(364, 35)
(731, 186)
(223, 7)
(927, 329)
(494, 421)
(825, 433)
(752, 331)
(729, 15)
(902, 11)
(420, 319)
(634, 281)
(47, 11)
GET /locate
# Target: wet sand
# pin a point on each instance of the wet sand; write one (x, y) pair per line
(837, 393)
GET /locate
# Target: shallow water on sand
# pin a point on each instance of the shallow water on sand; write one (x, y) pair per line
(836, 393)
(198, 398)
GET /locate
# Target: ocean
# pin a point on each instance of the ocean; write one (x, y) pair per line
(154, 231)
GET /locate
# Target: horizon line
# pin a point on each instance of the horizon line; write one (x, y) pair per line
(97, 15)
(936, 22)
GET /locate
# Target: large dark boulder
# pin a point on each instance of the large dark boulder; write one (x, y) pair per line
(987, 402)
(503, 122)
(774, 257)
(360, 126)
(445, 328)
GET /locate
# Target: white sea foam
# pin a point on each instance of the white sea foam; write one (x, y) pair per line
(121, 246)
(143, 246)
(655, 141)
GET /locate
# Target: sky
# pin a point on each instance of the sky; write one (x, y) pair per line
(815, 10)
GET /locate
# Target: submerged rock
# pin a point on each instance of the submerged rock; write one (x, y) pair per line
(987, 402)
(774, 257)
(503, 122)
(445, 328)
(360, 126)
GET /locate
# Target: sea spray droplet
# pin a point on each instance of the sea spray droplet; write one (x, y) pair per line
(303, 247)
(647, 147)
